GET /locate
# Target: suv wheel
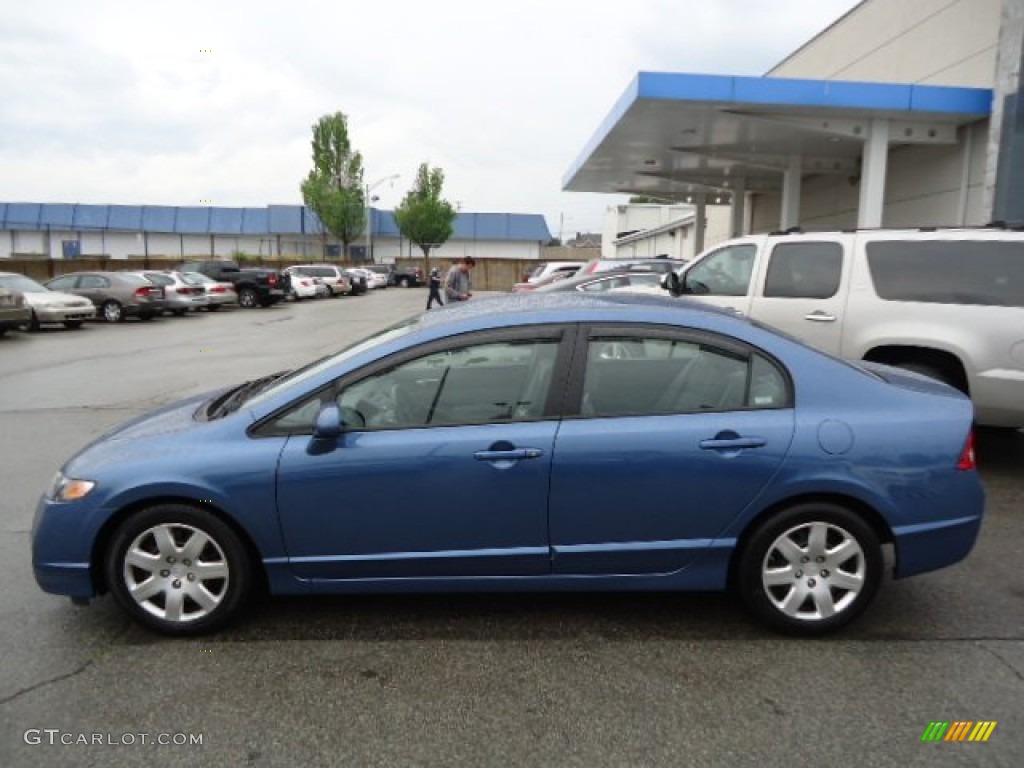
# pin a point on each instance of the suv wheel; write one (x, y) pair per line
(404, 282)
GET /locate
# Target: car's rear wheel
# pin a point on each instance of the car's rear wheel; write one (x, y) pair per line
(212, 307)
(247, 298)
(810, 569)
(112, 311)
(405, 282)
(73, 324)
(178, 569)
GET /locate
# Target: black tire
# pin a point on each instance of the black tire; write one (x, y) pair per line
(146, 316)
(223, 551)
(33, 322)
(112, 311)
(73, 325)
(405, 282)
(248, 298)
(848, 584)
(212, 307)
(179, 312)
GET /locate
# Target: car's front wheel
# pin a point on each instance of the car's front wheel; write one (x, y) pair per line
(810, 569)
(178, 569)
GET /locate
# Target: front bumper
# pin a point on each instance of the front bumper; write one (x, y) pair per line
(15, 317)
(60, 314)
(61, 549)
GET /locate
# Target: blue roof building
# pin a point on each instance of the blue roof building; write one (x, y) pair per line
(280, 231)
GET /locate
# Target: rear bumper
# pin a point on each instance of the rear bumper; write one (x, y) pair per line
(935, 545)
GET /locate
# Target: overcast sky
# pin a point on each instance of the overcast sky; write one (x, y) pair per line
(183, 103)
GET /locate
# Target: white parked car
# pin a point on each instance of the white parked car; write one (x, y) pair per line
(303, 285)
(547, 268)
(48, 306)
(331, 275)
(373, 279)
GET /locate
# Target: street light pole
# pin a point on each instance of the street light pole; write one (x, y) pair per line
(369, 221)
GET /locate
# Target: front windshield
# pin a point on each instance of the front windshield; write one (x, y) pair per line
(21, 284)
(317, 367)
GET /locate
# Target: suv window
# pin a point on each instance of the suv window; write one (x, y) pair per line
(805, 270)
(986, 272)
(637, 376)
(725, 272)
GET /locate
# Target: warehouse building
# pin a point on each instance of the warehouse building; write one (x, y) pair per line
(67, 231)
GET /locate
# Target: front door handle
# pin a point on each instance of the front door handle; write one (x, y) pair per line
(817, 316)
(733, 443)
(513, 454)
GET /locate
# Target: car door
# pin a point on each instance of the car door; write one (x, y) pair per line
(443, 469)
(676, 433)
(722, 278)
(96, 288)
(802, 289)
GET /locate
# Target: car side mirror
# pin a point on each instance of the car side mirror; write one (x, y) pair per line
(670, 282)
(328, 424)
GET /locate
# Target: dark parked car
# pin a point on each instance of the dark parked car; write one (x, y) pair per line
(554, 442)
(402, 277)
(116, 295)
(256, 287)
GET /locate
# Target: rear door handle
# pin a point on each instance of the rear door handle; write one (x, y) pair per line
(733, 443)
(511, 455)
(820, 317)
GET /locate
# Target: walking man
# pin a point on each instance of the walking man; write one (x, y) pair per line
(435, 288)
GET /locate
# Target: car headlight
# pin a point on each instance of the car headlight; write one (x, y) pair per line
(69, 488)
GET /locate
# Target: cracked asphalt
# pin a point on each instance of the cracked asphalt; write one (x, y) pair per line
(594, 680)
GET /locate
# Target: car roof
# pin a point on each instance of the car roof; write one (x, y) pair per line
(571, 306)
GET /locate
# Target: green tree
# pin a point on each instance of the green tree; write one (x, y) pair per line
(334, 187)
(424, 216)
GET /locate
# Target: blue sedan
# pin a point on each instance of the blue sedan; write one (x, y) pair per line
(528, 442)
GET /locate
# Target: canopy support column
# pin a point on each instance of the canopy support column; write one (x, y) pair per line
(789, 216)
(872, 174)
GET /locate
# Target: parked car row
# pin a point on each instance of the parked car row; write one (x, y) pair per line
(113, 296)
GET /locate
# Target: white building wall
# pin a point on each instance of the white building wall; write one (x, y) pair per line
(388, 249)
(932, 42)
(680, 245)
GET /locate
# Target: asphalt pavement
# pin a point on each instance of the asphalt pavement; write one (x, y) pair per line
(576, 680)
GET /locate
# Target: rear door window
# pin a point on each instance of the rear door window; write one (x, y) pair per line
(981, 272)
(806, 270)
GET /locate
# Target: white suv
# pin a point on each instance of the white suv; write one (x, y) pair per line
(946, 303)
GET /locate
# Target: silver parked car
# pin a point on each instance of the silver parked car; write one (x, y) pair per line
(45, 305)
(180, 296)
(219, 293)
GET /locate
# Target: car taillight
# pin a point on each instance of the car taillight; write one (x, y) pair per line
(272, 280)
(217, 289)
(967, 455)
(593, 268)
(143, 293)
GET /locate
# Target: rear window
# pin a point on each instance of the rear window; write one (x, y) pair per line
(985, 272)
